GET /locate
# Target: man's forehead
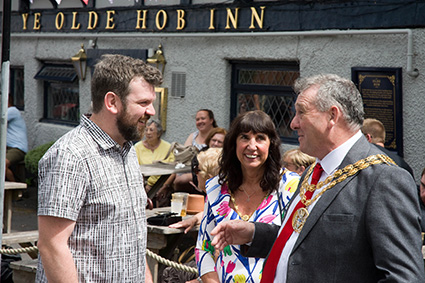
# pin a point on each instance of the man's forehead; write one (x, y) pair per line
(308, 94)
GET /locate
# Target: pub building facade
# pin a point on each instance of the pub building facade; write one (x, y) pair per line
(227, 56)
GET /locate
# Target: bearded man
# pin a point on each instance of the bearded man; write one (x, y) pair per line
(91, 203)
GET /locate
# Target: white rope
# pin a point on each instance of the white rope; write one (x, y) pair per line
(148, 252)
(171, 263)
(18, 250)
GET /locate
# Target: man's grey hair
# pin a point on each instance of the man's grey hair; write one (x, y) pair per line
(334, 90)
(158, 126)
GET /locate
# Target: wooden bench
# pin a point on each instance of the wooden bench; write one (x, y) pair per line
(12, 191)
(24, 239)
(20, 237)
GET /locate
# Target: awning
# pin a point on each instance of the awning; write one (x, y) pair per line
(56, 73)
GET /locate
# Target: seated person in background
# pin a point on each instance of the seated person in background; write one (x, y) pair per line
(374, 131)
(206, 168)
(296, 161)
(153, 148)
(16, 139)
(214, 138)
(205, 122)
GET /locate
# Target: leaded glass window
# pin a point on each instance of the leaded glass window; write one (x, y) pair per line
(266, 86)
(61, 93)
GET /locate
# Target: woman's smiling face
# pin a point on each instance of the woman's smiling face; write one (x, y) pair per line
(252, 149)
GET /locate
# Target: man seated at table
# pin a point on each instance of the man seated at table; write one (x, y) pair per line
(16, 139)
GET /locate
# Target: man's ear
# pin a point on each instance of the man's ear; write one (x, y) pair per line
(112, 102)
(334, 114)
(368, 137)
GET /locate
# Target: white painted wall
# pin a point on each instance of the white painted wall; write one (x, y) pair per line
(208, 74)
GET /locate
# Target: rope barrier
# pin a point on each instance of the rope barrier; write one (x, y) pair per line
(171, 263)
(18, 250)
(148, 253)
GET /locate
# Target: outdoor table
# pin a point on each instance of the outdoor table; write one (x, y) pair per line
(164, 170)
(163, 240)
(11, 189)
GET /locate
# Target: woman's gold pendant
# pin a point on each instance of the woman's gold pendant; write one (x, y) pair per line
(245, 217)
(299, 219)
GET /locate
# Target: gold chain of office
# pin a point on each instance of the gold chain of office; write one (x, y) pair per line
(339, 176)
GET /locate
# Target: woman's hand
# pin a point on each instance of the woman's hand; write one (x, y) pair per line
(187, 223)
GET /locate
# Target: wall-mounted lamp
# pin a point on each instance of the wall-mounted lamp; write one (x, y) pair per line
(79, 61)
(158, 59)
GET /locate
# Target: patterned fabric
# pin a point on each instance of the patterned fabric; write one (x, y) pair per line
(88, 178)
(194, 143)
(229, 264)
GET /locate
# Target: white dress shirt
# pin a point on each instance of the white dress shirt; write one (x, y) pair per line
(330, 164)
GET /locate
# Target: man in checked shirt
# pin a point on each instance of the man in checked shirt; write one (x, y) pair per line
(91, 207)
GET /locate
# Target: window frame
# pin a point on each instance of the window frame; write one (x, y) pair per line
(47, 85)
(267, 90)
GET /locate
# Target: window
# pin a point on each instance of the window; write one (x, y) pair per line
(61, 94)
(17, 86)
(266, 86)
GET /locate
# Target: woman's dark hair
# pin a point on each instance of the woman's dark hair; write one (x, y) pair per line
(230, 166)
(211, 115)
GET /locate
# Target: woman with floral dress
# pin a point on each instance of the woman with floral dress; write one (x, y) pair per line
(251, 186)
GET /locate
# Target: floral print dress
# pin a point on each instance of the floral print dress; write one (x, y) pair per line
(229, 264)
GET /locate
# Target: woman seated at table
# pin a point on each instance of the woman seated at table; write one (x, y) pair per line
(214, 140)
(250, 186)
(153, 148)
(205, 123)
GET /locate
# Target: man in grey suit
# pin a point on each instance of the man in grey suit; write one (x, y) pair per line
(362, 223)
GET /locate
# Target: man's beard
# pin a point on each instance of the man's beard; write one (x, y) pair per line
(127, 130)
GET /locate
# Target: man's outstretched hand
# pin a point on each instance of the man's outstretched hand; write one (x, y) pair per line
(235, 232)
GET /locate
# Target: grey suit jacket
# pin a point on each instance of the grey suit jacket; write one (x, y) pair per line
(364, 229)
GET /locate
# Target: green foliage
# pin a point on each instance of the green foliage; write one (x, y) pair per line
(34, 155)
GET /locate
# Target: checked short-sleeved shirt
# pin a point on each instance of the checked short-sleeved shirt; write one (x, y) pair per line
(88, 178)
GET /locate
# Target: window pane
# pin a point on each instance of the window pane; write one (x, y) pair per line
(267, 77)
(280, 108)
(17, 86)
(62, 101)
(266, 86)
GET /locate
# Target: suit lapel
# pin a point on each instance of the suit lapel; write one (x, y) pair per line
(359, 150)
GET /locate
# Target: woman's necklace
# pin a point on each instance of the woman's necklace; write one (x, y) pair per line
(244, 217)
(247, 195)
